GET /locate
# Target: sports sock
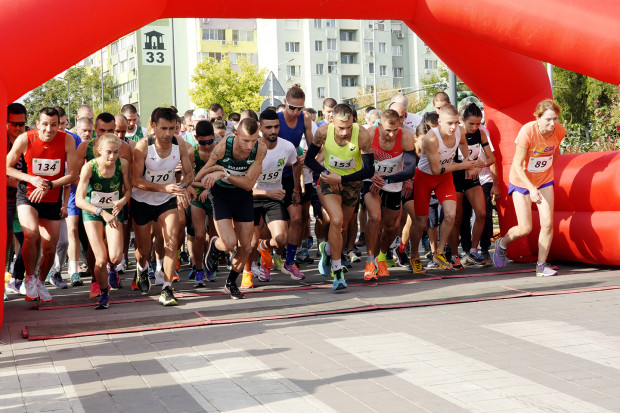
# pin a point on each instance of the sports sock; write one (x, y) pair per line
(370, 259)
(73, 267)
(381, 256)
(402, 247)
(232, 277)
(291, 250)
(166, 284)
(159, 265)
(336, 265)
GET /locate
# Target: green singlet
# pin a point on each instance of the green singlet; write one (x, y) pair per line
(206, 205)
(233, 166)
(102, 192)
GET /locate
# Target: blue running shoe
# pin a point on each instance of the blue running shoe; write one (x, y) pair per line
(325, 263)
(339, 282)
(104, 301)
(113, 278)
(192, 273)
(199, 280)
(211, 275)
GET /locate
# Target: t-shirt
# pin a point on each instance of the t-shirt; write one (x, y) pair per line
(270, 177)
(412, 121)
(538, 163)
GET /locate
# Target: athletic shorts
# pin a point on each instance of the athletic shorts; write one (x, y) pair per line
(45, 210)
(390, 200)
(315, 201)
(288, 184)
(435, 213)
(512, 188)
(72, 209)
(126, 213)
(307, 195)
(462, 184)
(87, 216)
(144, 213)
(206, 205)
(405, 199)
(232, 203)
(269, 210)
(425, 184)
(350, 192)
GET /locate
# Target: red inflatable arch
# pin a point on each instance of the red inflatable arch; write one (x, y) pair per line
(494, 46)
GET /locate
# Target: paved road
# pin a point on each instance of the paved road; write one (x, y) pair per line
(556, 353)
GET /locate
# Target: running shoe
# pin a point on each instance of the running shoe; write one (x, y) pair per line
(345, 261)
(212, 258)
(353, 257)
(265, 255)
(325, 262)
(382, 269)
(473, 258)
(486, 256)
(32, 292)
(160, 277)
(175, 277)
(442, 261)
(339, 282)
(499, 256)
(152, 267)
(233, 290)
(448, 253)
(361, 240)
(432, 265)
(416, 265)
(6, 297)
(370, 273)
(426, 243)
(264, 274)
(76, 280)
(456, 263)
(303, 257)
(278, 262)
(429, 255)
(184, 257)
(403, 259)
(94, 289)
(192, 273)
(104, 302)
(310, 242)
(144, 282)
(246, 280)
(113, 278)
(211, 275)
(256, 269)
(545, 270)
(22, 288)
(120, 268)
(56, 280)
(292, 270)
(199, 280)
(13, 286)
(44, 295)
(134, 284)
(167, 297)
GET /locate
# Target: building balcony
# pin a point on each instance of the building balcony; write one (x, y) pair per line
(347, 24)
(353, 69)
(350, 47)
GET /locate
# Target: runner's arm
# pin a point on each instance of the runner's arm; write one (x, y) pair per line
(186, 164)
(82, 188)
(314, 148)
(368, 159)
(126, 180)
(308, 130)
(248, 181)
(517, 167)
(18, 149)
(216, 154)
(487, 149)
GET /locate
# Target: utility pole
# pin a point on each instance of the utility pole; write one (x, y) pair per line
(102, 91)
(550, 74)
(452, 88)
(374, 62)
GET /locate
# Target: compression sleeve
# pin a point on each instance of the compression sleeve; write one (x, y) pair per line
(311, 161)
(367, 171)
(410, 160)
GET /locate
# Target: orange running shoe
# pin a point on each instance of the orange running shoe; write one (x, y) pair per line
(94, 289)
(382, 270)
(247, 281)
(370, 272)
(265, 255)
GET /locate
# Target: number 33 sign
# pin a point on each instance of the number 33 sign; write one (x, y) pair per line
(156, 45)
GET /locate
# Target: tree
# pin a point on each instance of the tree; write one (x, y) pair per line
(79, 85)
(217, 82)
(438, 82)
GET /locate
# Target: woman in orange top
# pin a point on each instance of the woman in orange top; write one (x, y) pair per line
(531, 180)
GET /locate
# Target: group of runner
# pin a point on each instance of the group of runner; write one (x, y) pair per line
(238, 192)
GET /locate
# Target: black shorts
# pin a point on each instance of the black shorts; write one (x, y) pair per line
(269, 210)
(45, 210)
(232, 203)
(461, 184)
(405, 199)
(315, 201)
(390, 200)
(143, 213)
(288, 184)
(435, 213)
(307, 195)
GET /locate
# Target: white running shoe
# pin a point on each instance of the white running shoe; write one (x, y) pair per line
(44, 295)
(255, 269)
(32, 291)
(159, 278)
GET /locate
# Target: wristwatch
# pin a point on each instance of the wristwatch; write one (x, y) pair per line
(183, 185)
(50, 183)
(98, 211)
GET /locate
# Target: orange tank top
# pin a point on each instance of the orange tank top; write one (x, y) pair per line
(47, 160)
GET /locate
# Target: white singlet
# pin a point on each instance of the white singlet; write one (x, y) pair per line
(445, 154)
(159, 171)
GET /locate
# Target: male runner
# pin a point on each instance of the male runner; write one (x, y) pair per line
(348, 160)
(328, 111)
(135, 132)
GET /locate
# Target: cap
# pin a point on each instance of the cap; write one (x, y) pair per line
(199, 114)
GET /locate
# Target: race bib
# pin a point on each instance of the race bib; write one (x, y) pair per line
(539, 164)
(387, 167)
(338, 163)
(474, 151)
(103, 199)
(271, 177)
(160, 177)
(46, 167)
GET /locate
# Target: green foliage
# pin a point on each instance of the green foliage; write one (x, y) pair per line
(603, 134)
(218, 82)
(81, 85)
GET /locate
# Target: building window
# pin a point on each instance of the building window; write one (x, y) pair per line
(330, 22)
(398, 72)
(331, 44)
(397, 28)
(318, 45)
(368, 46)
(115, 70)
(292, 47)
(243, 35)
(319, 68)
(213, 34)
(317, 23)
(214, 55)
(382, 47)
(371, 68)
(332, 67)
(347, 35)
(114, 48)
(381, 27)
(397, 50)
(292, 70)
(349, 81)
(290, 24)
(430, 64)
(320, 92)
(234, 57)
(348, 58)
(383, 70)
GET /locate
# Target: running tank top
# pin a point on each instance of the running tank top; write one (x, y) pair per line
(474, 143)
(159, 171)
(292, 135)
(138, 135)
(388, 162)
(346, 159)
(234, 166)
(445, 153)
(47, 160)
(102, 192)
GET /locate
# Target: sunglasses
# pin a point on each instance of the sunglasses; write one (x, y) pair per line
(20, 124)
(207, 142)
(294, 108)
(214, 119)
